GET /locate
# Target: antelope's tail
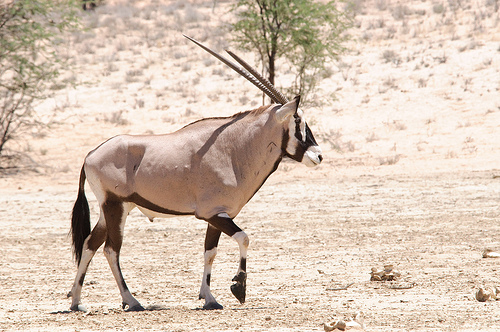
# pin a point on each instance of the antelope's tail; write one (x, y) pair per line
(80, 219)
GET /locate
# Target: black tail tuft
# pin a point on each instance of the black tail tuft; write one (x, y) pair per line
(80, 220)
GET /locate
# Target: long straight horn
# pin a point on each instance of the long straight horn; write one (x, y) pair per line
(281, 98)
(239, 70)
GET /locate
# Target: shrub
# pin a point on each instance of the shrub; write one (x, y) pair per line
(29, 64)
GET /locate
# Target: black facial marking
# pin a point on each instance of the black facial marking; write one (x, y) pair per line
(310, 136)
(298, 133)
(301, 145)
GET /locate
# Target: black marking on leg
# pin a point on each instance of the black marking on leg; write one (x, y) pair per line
(212, 237)
(243, 264)
(224, 224)
(208, 280)
(239, 288)
(124, 285)
(82, 278)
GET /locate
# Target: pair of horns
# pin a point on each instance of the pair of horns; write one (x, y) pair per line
(247, 72)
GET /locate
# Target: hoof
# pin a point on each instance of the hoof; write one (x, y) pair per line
(212, 306)
(78, 307)
(239, 288)
(137, 307)
(239, 291)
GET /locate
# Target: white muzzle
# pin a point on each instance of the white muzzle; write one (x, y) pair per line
(312, 157)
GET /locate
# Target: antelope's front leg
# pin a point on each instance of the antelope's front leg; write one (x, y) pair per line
(211, 241)
(239, 288)
(224, 223)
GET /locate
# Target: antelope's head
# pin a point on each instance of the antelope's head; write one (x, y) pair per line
(298, 142)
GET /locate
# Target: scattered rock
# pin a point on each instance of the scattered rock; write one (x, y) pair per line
(387, 274)
(490, 293)
(489, 253)
(483, 295)
(335, 325)
(355, 324)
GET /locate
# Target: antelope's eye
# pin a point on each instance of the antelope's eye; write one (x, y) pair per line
(297, 120)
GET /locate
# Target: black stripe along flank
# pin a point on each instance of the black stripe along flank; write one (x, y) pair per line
(142, 202)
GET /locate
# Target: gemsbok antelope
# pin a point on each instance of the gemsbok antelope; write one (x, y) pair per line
(210, 169)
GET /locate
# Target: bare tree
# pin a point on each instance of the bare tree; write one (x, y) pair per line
(305, 33)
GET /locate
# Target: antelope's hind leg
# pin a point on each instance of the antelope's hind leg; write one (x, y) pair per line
(115, 213)
(92, 243)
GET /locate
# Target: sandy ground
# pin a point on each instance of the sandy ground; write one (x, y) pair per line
(411, 177)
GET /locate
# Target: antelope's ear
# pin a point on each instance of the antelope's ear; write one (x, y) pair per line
(288, 109)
